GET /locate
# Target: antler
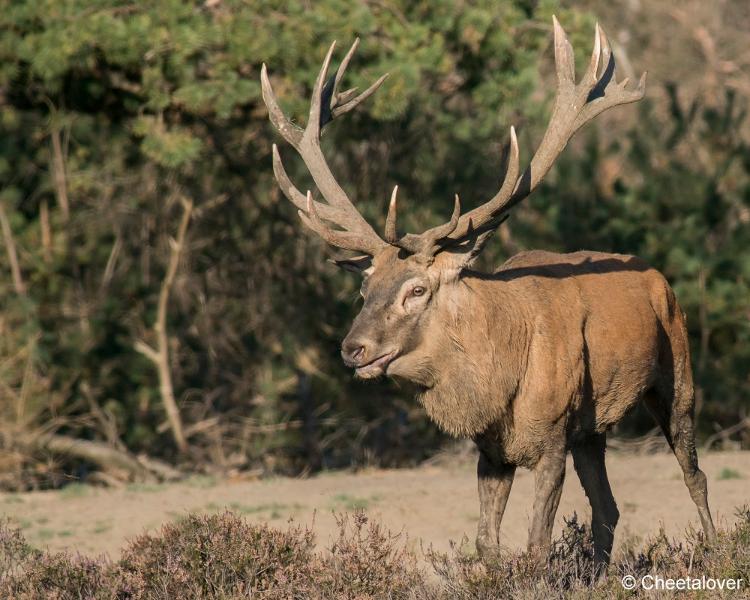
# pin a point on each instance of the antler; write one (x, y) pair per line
(575, 105)
(326, 104)
(423, 243)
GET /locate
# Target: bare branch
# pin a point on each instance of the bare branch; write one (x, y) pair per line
(10, 249)
(147, 351)
(58, 173)
(46, 230)
(160, 355)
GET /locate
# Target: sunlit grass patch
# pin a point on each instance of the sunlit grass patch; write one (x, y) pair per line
(74, 490)
(13, 499)
(44, 534)
(350, 502)
(145, 487)
(728, 473)
(273, 510)
(201, 481)
(101, 527)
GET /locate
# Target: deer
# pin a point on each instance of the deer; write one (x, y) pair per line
(539, 358)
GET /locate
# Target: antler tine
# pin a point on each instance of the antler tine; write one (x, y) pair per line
(608, 92)
(485, 214)
(313, 119)
(290, 190)
(354, 103)
(336, 97)
(591, 76)
(434, 235)
(564, 58)
(290, 132)
(343, 102)
(424, 243)
(605, 48)
(339, 209)
(326, 211)
(391, 235)
(347, 240)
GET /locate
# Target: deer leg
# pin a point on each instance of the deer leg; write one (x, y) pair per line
(549, 475)
(676, 421)
(684, 449)
(588, 459)
(494, 482)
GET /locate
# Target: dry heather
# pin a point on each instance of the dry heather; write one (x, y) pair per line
(224, 557)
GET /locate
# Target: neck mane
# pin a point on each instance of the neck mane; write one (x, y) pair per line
(477, 357)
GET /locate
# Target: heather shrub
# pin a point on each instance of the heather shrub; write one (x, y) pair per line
(729, 558)
(215, 556)
(219, 557)
(224, 557)
(367, 561)
(569, 569)
(27, 573)
(14, 550)
(569, 566)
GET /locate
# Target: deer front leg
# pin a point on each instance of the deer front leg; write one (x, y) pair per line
(549, 475)
(494, 482)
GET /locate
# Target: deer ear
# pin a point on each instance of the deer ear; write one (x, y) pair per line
(461, 256)
(358, 264)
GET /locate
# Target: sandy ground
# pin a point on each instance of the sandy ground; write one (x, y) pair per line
(433, 505)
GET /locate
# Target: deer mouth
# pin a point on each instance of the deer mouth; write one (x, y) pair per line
(376, 367)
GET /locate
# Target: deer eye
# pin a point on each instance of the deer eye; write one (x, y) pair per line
(417, 291)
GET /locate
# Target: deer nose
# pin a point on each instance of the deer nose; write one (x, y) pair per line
(353, 352)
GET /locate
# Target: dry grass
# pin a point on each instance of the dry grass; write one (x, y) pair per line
(224, 557)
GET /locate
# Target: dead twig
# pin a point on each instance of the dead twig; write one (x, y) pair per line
(46, 231)
(10, 249)
(160, 355)
(59, 178)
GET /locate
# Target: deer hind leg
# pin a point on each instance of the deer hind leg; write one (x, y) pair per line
(674, 414)
(588, 459)
(494, 484)
(549, 475)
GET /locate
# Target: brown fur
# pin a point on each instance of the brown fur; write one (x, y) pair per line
(543, 356)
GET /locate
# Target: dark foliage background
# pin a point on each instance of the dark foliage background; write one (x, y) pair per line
(113, 112)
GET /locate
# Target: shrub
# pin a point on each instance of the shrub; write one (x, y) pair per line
(215, 556)
(27, 573)
(224, 557)
(366, 561)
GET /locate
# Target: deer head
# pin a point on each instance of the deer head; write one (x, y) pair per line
(410, 278)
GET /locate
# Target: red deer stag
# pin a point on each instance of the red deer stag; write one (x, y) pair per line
(540, 357)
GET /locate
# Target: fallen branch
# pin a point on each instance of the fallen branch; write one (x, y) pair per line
(104, 456)
(650, 443)
(725, 434)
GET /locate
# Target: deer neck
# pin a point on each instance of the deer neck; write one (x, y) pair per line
(478, 356)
